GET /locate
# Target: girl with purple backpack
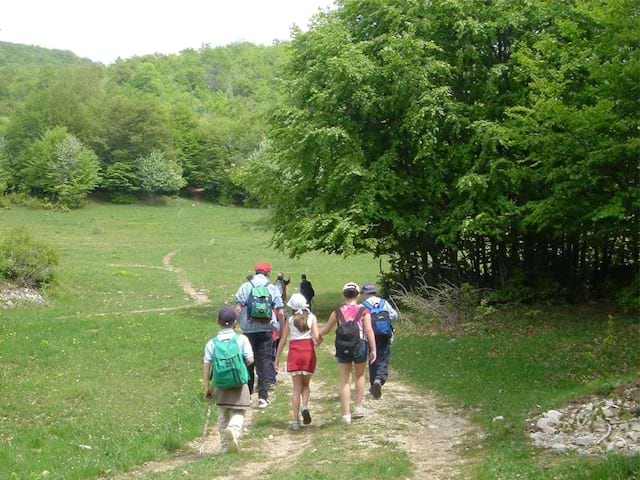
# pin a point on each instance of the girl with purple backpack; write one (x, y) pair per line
(355, 342)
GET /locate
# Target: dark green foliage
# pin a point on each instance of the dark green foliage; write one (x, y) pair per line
(466, 140)
(25, 261)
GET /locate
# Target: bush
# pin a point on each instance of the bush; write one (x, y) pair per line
(158, 174)
(27, 262)
(629, 298)
(448, 304)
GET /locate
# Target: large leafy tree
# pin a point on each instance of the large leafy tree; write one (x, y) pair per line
(420, 130)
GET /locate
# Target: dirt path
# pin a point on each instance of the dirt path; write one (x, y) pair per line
(431, 432)
(199, 296)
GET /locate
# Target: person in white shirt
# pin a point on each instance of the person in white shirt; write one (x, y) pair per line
(302, 333)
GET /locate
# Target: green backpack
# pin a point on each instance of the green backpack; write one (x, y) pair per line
(228, 369)
(260, 308)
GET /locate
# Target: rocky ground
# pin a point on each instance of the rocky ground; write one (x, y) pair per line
(593, 426)
(11, 296)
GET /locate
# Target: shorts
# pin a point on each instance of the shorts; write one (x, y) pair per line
(360, 357)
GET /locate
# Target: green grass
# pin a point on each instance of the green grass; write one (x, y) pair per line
(83, 371)
(522, 364)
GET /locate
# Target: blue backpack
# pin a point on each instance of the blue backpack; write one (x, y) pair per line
(380, 319)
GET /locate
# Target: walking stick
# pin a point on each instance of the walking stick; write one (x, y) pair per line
(206, 426)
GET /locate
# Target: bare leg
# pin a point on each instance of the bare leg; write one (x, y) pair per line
(345, 387)
(360, 368)
(295, 399)
(306, 390)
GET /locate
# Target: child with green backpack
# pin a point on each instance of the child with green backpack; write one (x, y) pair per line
(226, 357)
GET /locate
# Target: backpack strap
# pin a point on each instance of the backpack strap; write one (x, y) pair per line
(340, 316)
(359, 314)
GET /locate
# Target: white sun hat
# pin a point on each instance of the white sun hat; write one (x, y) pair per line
(351, 286)
(297, 302)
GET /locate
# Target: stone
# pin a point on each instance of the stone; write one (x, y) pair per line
(583, 441)
(621, 443)
(559, 447)
(634, 436)
(635, 427)
(544, 422)
(499, 418)
(554, 415)
(549, 430)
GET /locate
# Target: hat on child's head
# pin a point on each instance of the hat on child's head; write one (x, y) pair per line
(351, 286)
(297, 302)
(368, 288)
(227, 317)
(263, 267)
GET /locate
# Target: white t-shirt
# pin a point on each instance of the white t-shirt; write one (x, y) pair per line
(226, 334)
(295, 334)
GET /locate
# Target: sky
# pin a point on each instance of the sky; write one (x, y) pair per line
(104, 30)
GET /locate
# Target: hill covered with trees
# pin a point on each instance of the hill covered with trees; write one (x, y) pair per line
(153, 124)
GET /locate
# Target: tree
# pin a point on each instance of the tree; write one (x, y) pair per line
(158, 174)
(58, 165)
(466, 140)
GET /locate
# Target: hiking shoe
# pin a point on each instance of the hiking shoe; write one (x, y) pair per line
(263, 403)
(346, 419)
(376, 389)
(232, 441)
(295, 425)
(306, 416)
(358, 412)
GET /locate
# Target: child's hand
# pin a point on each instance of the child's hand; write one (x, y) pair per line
(208, 393)
(372, 357)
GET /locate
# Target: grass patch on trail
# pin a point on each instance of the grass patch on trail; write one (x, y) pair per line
(83, 371)
(523, 363)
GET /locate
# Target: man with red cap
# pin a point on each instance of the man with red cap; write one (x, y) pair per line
(260, 307)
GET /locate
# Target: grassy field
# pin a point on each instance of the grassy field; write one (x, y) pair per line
(528, 361)
(83, 371)
(87, 372)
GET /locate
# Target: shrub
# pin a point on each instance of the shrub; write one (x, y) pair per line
(25, 261)
(448, 304)
(629, 298)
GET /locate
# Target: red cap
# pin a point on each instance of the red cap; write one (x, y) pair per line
(263, 267)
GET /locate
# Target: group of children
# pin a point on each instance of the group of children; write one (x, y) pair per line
(364, 333)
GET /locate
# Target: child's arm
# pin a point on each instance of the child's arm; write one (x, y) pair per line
(315, 332)
(284, 336)
(208, 391)
(333, 319)
(368, 331)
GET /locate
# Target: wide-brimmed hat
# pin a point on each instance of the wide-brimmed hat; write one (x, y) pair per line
(351, 286)
(297, 302)
(368, 288)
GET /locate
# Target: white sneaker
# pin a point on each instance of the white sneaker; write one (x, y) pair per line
(232, 441)
(295, 425)
(262, 403)
(358, 412)
(346, 419)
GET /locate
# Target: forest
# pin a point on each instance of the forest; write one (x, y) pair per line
(491, 143)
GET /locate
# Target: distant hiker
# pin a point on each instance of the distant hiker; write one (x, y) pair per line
(281, 284)
(306, 289)
(226, 357)
(352, 335)
(301, 329)
(260, 307)
(382, 317)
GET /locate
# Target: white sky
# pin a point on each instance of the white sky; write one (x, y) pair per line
(103, 30)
